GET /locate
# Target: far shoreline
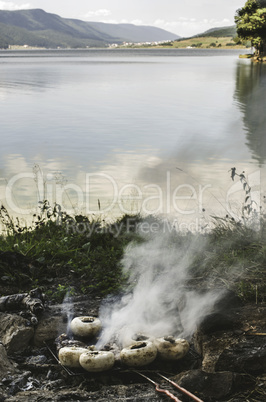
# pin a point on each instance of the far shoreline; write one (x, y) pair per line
(200, 42)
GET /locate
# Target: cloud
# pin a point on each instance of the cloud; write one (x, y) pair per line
(123, 21)
(102, 12)
(9, 5)
(137, 22)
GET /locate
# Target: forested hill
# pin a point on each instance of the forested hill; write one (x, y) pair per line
(39, 28)
(219, 32)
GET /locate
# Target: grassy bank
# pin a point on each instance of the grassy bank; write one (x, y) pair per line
(206, 42)
(60, 253)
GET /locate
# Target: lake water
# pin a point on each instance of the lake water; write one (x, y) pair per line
(117, 131)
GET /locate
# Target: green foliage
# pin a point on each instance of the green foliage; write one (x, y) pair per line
(68, 251)
(199, 44)
(166, 44)
(251, 24)
(79, 254)
(60, 293)
(220, 32)
(247, 291)
(3, 42)
(237, 40)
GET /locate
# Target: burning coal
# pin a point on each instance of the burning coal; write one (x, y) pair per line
(158, 301)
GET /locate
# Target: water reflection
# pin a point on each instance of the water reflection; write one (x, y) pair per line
(27, 79)
(153, 135)
(250, 94)
(187, 192)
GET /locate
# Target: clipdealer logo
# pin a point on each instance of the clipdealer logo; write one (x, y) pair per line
(183, 199)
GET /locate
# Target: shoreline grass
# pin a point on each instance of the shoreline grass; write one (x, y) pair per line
(79, 255)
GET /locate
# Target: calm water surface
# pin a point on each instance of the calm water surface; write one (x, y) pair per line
(139, 130)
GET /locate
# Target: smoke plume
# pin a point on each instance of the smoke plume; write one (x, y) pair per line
(159, 300)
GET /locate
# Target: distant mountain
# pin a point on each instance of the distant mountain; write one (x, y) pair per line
(135, 33)
(39, 28)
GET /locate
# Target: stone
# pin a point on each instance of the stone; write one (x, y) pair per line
(48, 329)
(6, 366)
(217, 322)
(15, 332)
(227, 302)
(215, 386)
(248, 355)
(210, 347)
(224, 315)
(34, 360)
(239, 347)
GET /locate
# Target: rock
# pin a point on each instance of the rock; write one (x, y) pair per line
(233, 348)
(48, 329)
(34, 360)
(217, 322)
(15, 332)
(248, 355)
(17, 383)
(32, 301)
(215, 386)
(224, 316)
(6, 366)
(210, 347)
(227, 302)
(55, 384)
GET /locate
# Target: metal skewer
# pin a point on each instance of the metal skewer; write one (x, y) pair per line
(69, 372)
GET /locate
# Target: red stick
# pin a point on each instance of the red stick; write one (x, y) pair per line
(182, 389)
(163, 391)
(158, 389)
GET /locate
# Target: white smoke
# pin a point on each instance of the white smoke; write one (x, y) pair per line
(158, 301)
(68, 309)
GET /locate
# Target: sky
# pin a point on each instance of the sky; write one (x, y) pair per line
(177, 16)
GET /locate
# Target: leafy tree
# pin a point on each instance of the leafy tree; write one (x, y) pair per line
(250, 97)
(251, 24)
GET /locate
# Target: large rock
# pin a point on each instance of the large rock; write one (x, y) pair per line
(6, 367)
(225, 315)
(213, 386)
(15, 332)
(211, 347)
(248, 355)
(217, 322)
(48, 329)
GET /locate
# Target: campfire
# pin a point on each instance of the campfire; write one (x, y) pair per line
(78, 348)
(79, 362)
